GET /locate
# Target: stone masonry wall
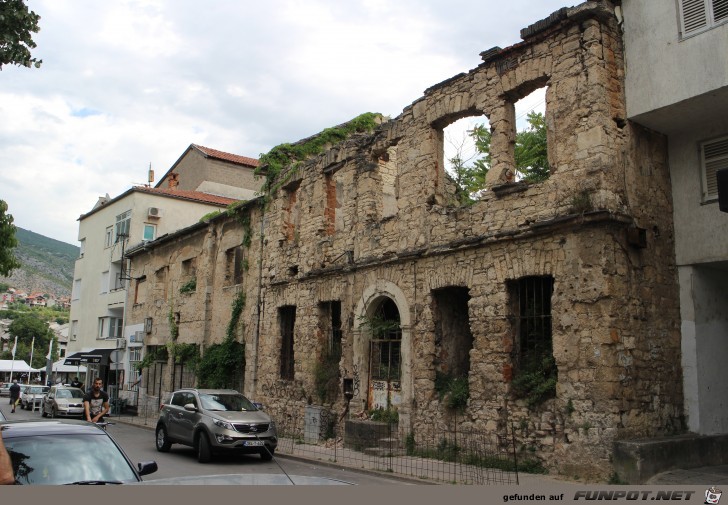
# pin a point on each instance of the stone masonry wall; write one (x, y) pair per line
(375, 218)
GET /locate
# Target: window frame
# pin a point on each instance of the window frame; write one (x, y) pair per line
(109, 237)
(708, 11)
(152, 227)
(122, 225)
(710, 166)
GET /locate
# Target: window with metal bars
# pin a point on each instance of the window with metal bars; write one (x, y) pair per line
(386, 342)
(287, 320)
(533, 317)
(535, 368)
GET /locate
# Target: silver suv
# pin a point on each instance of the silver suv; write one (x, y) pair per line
(213, 420)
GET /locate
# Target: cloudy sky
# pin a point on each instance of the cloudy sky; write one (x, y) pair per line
(126, 83)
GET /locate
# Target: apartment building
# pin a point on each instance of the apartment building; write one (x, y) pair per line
(141, 214)
(677, 84)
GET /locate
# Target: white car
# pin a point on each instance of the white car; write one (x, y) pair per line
(62, 401)
(32, 396)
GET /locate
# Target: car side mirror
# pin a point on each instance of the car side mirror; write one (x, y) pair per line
(147, 467)
(258, 405)
(191, 407)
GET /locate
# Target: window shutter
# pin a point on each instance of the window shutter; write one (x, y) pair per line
(693, 16)
(715, 157)
(720, 10)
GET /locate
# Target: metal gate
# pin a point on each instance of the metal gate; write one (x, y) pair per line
(385, 368)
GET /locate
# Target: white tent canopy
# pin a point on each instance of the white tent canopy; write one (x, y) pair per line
(19, 365)
(60, 367)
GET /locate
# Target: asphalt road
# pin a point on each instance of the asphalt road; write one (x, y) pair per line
(138, 443)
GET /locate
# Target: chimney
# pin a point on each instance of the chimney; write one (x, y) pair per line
(173, 180)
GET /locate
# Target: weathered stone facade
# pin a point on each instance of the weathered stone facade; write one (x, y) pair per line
(374, 222)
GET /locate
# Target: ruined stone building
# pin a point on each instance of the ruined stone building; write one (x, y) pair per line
(365, 253)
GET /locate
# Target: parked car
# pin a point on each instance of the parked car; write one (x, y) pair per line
(5, 389)
(32, 396)
(212, 421)
(2, 416)
(68, 451)
(62, 401)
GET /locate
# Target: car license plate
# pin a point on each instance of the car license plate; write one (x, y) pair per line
(253, 443)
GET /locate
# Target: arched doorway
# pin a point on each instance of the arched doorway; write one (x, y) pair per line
(383, 325)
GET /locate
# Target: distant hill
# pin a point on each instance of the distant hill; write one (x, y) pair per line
(47, 264)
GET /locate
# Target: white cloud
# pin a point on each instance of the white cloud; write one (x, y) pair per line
(130, 82)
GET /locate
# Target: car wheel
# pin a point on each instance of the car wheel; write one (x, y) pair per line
(204, 454)
(266, 454)
(163, 443)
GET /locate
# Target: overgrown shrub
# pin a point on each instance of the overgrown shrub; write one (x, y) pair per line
(536, 380)
(454, 391)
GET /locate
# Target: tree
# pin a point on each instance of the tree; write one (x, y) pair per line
(530, 152)
(26, 327)
(17, 24)
(8, 242)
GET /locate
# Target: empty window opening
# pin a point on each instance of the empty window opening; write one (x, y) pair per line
(234, 263)
(453, 337)
(531, 148)
(535, 376)
(287, 321)
(188, 280)
(189, 268)
(466, 156)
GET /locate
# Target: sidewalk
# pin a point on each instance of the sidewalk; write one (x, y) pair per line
(408, 468)
(432, 471)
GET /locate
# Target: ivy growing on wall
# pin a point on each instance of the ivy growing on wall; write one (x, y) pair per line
(285, 155)
(217, 367)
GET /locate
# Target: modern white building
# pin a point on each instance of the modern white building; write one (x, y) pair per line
(201, 181)
(677, 84)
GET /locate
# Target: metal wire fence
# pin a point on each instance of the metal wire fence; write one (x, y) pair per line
(450, 455)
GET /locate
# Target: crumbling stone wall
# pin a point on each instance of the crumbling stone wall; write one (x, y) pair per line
(600, 226)
(376, 218)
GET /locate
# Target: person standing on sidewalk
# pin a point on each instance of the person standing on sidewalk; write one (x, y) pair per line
(14, 394)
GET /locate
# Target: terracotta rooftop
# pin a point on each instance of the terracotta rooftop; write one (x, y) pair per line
(221, 155)
(196, 196)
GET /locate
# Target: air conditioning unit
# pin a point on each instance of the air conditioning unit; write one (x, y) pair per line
(121, 343)
(154, 212)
